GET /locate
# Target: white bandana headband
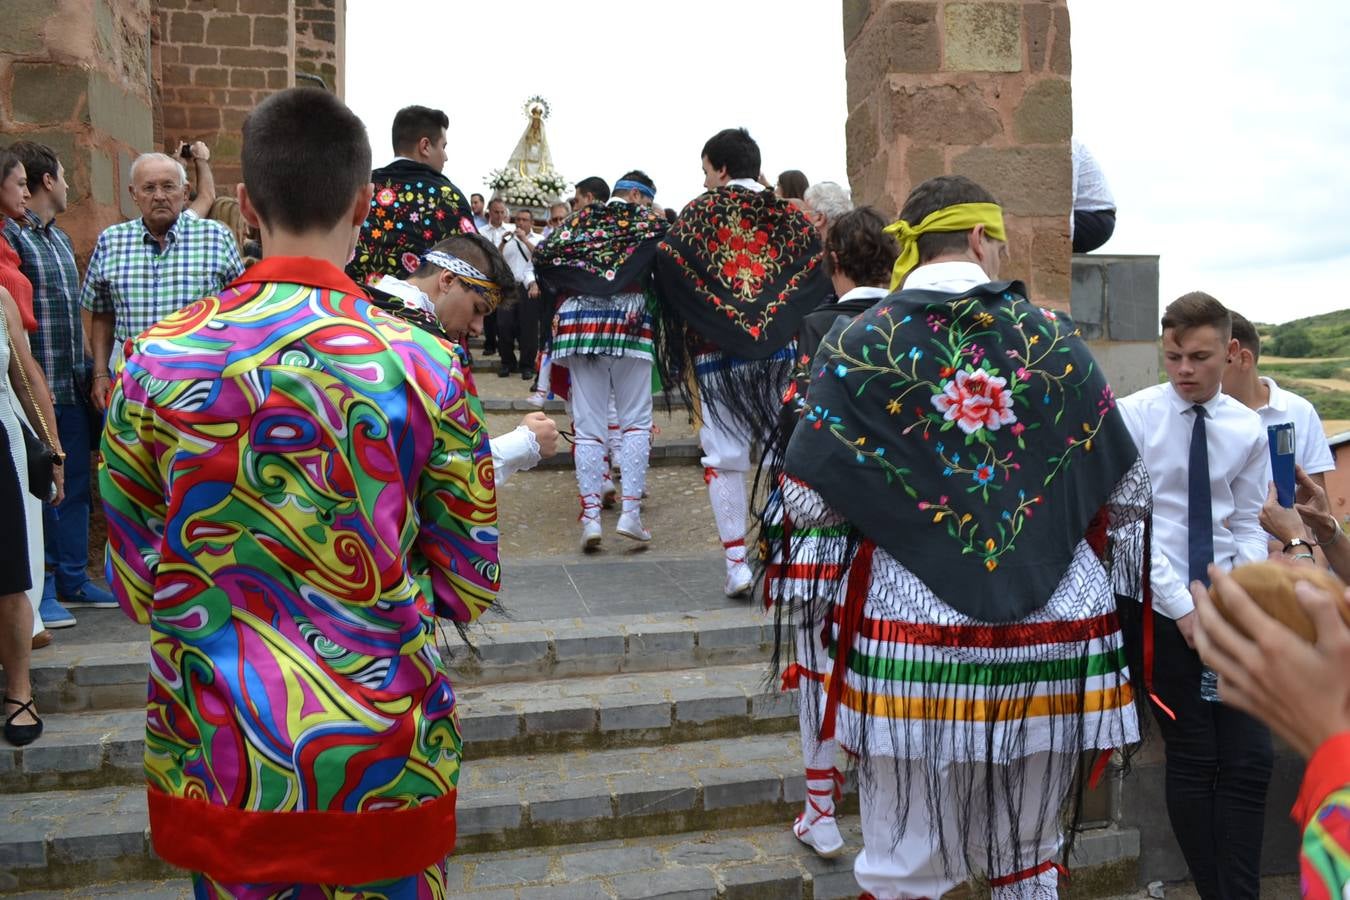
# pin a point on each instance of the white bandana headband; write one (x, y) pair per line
(467, 273)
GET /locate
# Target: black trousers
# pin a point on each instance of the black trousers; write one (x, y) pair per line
(1219, 762)
(1092, 228)
(547, 307)
(518, 327)
(490, 333)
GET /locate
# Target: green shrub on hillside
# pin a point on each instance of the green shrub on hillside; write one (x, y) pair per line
(1327, 335)
(1330, 368)
(1293, 342)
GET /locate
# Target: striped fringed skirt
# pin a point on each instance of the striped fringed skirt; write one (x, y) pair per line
(925, 681)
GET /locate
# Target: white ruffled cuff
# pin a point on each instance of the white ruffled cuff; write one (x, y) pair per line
(514, 452)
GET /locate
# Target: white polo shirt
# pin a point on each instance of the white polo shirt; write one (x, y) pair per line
(1311, 450)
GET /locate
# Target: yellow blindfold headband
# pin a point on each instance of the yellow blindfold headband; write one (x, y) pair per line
(961, 217)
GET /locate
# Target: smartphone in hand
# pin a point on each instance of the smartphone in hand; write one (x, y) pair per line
(1281, 438)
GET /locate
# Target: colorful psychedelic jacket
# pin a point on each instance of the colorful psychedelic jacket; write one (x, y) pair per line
(1323, 811)
(296, 485)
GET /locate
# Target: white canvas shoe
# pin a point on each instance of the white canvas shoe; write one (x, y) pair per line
(739, 580)
(815, 826)
(630, 526)
(821, 835)
(590, 535)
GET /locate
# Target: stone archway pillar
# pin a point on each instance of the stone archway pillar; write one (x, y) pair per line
(968, 87)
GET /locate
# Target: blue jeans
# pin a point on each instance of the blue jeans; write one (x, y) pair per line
(66, 526)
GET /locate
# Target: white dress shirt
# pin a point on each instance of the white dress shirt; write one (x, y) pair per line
(508, 242)
(953, 277)
(1090, 190)
(1160, 421)
(864, 292)
(519, 255)
(1311, 450)
(749, 184)
(495, 233)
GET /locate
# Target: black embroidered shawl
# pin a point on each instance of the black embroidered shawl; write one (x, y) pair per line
(600, 250)
(812, 331)
(741, 268)
(414, 208)
(970, 435)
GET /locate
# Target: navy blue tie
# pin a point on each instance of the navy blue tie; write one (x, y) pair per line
(1199, 506)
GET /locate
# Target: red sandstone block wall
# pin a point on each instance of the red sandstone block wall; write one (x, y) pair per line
(970, 87)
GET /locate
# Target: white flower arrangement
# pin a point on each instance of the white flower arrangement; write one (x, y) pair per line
(551, 183)
(526, 190)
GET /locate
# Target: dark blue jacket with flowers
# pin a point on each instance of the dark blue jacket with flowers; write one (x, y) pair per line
(414, 207)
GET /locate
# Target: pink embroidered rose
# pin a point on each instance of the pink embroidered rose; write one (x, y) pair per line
(385, 197)
(975, 400)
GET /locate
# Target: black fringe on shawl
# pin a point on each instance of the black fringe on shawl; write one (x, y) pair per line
(735, 276)
(986, 810)
(738, 395)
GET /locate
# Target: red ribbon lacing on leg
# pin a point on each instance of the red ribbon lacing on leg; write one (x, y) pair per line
(855, 597)
(834, 791)
(1005, 880)
(588, 502)
(793, 675)
(784, 558)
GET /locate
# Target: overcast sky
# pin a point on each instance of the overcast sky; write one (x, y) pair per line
(1222, 125)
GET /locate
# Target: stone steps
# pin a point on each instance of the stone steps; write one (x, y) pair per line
(63, 838)
(526, 801)
(97, 748)
(634, 755)
(100, 676)
(760, 862)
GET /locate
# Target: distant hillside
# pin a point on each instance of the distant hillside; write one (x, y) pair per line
(1312, 358)
(1315, 336)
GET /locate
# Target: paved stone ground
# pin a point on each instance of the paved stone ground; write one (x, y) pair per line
(617, 581)
(539, 550)
(539, 517)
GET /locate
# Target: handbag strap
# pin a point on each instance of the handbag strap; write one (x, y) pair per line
(32, 398)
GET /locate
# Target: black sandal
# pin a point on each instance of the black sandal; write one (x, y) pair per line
(22, 735)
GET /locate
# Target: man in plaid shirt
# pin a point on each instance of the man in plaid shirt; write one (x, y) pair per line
(144, 269)
(46, 258)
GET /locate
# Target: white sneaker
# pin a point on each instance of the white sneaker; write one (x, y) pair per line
(630, 526)
(609, 492)
(537, 399)
(739, 580)
(822, 835)
(590, 535)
